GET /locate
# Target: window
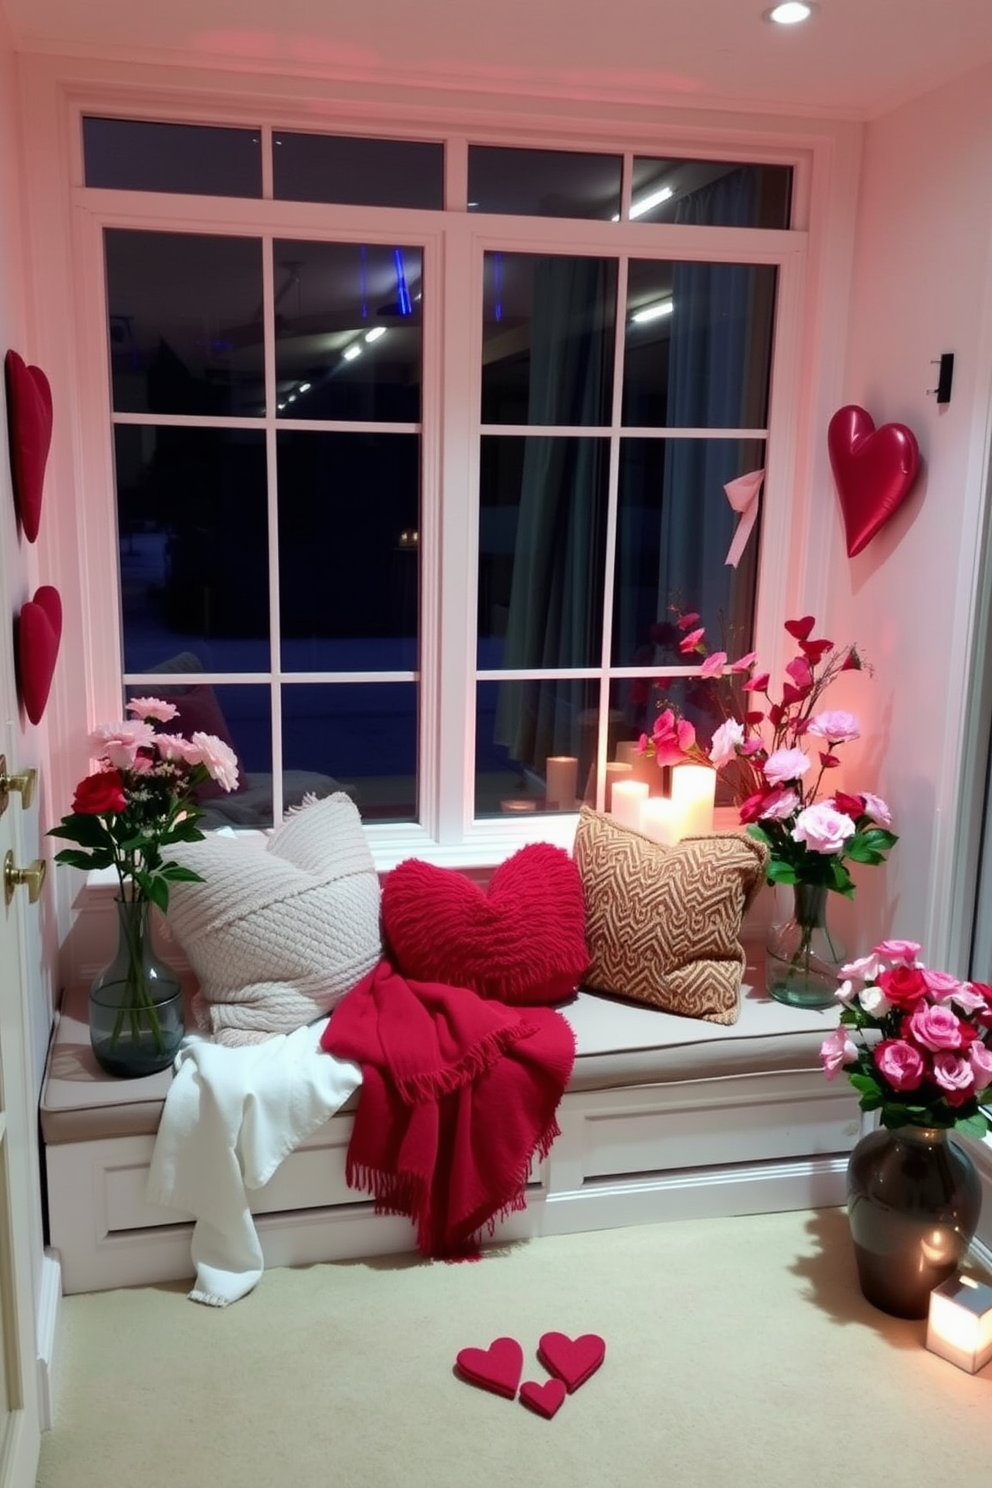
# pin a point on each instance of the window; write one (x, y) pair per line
(408, 494)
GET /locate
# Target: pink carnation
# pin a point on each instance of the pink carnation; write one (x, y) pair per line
(785, 765)
(876, 808)
(219, 758)
(837, 726)
(725, 741)
(119, 742)
(149, 707)
(779, 805)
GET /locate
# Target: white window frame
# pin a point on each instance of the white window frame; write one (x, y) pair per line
(454, 243)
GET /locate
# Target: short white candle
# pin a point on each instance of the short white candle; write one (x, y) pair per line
(660, 820)
(627, 798)
(560, 774)
(693, 791)
(959, 1325)
(615, 770)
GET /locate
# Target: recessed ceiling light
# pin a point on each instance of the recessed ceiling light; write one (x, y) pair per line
(790, 13)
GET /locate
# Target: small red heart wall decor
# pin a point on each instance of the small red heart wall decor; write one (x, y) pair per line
(874, 470)
(39, 634)
(29, 430)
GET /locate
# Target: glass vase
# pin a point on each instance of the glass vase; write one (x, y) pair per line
(136, 1013)
(913, 1204)
(804, 955)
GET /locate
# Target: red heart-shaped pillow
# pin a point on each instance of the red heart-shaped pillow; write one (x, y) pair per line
(497, 1368)
(39, 634)
(522, 941)
(29, 427)
(874, 470)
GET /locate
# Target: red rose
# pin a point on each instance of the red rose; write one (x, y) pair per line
(852, 806)
(98, 793)
(904, 986)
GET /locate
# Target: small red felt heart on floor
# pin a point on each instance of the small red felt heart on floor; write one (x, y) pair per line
(497, 1368)
(544, 1399)
(573, 1360)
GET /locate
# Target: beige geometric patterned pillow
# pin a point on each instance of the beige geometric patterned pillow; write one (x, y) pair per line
(663, 923)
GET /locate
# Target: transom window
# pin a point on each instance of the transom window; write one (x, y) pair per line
(407, 504)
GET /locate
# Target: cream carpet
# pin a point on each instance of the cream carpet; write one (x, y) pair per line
(739, 1352)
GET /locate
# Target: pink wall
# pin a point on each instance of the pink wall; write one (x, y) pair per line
(921, 287)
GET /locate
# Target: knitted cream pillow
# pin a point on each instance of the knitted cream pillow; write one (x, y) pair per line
(276, 936)
(663, 923)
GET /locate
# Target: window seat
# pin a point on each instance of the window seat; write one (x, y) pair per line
(664, 1118)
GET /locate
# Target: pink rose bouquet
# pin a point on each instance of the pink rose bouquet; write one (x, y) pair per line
(142, 799)
(916, 1044)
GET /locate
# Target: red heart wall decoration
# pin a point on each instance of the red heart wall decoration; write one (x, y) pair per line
(874, 470)
(39, 633)
(29, 429)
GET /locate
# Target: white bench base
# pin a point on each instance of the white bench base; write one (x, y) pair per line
(642, 1154)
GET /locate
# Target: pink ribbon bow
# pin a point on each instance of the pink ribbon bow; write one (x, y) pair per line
(742, 494)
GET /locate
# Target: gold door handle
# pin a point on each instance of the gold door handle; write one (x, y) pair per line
(24, 782)
(33, 875)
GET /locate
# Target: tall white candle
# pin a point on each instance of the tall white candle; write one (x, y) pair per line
(627, 798)
(660, 820)
(693, 791)
(615, 770)
(560, 774)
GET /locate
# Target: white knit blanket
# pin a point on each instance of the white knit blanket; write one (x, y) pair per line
(231, 1116)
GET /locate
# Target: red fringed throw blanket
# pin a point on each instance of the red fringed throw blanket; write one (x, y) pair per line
(458, 1094)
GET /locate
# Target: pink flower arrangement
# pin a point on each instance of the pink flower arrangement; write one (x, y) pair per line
(141, 799)
(930, 1061)
(779, 754)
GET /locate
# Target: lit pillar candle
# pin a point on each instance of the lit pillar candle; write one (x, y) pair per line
(627, 798)
(615, 770)
(959, 1324)
(660, 820)
(560, 774)
(693, 791)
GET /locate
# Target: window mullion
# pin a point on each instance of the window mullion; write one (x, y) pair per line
(272, 472)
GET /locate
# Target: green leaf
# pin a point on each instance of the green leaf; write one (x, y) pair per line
(879, 839)
(177, 874)
(759, 834)
(973, 1126)
(88, 831)
(783, 873)
(864, 1084)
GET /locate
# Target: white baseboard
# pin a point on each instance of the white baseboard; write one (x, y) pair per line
(49, 1310)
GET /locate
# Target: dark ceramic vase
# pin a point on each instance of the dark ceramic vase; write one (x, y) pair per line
(913, 1201)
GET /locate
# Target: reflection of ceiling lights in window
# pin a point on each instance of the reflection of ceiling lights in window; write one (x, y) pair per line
(374, 334)
(352, 351)
(638, 208)
(652, 312)
(790, 13)
(304, 387)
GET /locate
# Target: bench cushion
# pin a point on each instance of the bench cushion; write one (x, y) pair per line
(618, 1044)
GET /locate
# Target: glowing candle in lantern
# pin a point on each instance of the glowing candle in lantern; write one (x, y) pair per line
(693, 791)
(959, 1325)
(627, 798)
(560, 772)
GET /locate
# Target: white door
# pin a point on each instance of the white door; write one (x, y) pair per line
(19, 1413)
(23, 1024)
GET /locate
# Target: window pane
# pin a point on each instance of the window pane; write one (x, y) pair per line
(519, 725)
(542, 545)
(712, 193)
(191, 513)
(543, 183)
(185, 322)
(361, 738)
(674, 528)
(362, 172)
(349, 551)
(548, 330)
(698, 345)
(133, 155)
(349, 340)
